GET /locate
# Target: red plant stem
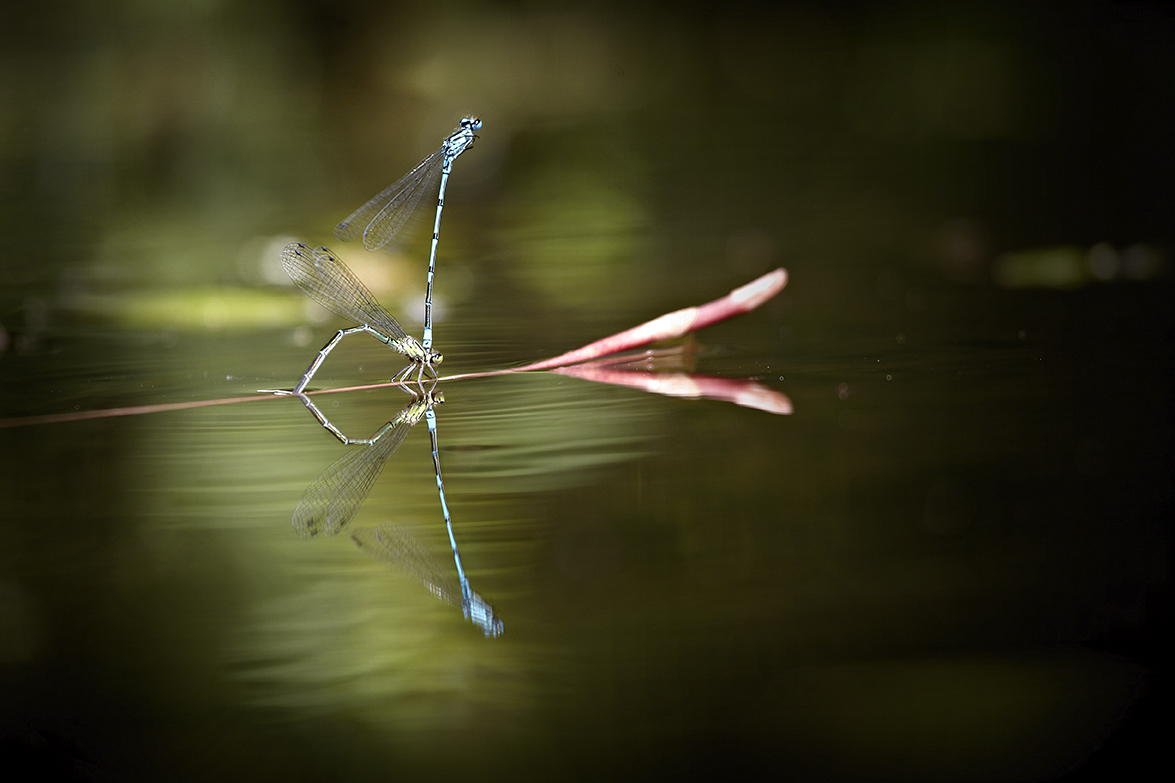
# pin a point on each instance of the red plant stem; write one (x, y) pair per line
(671, 325)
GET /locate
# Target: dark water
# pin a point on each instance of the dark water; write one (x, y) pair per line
(950, 561)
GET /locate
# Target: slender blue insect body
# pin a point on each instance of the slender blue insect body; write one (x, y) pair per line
(379, 220)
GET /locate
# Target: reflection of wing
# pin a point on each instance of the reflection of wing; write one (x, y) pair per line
(333, 499)
(395, 546)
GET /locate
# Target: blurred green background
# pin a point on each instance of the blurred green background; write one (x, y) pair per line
(951, 562)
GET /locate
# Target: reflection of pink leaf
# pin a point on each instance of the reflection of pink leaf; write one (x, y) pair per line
(746, 393)
(740, 300)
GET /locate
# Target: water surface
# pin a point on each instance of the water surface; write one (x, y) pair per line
(943, 564)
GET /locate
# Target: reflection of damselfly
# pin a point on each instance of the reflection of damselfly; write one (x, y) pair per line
(394, 545)
(328, 281)
(331, 502)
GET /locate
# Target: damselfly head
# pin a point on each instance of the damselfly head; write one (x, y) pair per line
(473, 123)
(435, 358)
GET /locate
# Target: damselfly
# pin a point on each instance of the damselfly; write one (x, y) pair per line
(328, 281)
(381, 219)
